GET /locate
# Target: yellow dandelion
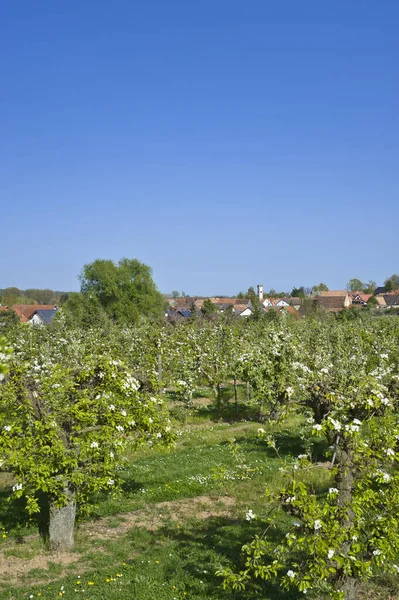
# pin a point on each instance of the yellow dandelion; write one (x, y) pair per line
(90, 583)
(157, 562)
(78, 583)
(4, 536)
(123, 564)
(107, 580)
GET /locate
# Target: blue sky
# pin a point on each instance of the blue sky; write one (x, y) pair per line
(224, 143)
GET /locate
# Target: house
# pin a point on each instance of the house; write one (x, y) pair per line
(333, 301)
(280, 302)
(239, 306)
(283, 310)
(296, 303)
(174, 315)
(231, 301)
(289, 310)
(26, 311)
(186, 301)
(359, 298)
(380, 290)
(381, 301)
(42, 317)
(267, 302)
(392, 299)
(242, 310)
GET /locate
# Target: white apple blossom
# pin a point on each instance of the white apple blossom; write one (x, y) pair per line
(336, 424)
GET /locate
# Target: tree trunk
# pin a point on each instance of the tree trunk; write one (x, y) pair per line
(235, 395)
(347, 585)
(62, 525)
(219, 398)
(248, 391)
(345, 483)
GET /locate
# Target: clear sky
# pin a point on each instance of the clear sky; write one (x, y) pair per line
(224, 143)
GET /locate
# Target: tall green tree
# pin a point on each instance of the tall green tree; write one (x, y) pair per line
(83, 311)
(320, 287)
(126, 291)
(369, 287)
(392, 283)
(10, 296)
(298, 292)
(355, 285)
(42, 296)
(208, 308)
(8, 321)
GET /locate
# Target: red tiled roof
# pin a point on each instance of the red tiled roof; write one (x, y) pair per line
(363, 297)
(25, 311)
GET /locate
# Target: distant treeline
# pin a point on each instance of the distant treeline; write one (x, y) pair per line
(13, 295)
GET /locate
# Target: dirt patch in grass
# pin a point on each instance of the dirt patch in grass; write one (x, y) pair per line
(202, 401)
(13, 568)
(157, 515)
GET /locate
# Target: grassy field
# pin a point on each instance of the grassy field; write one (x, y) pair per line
(181, 517)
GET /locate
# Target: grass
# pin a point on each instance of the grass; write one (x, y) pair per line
(180, 517)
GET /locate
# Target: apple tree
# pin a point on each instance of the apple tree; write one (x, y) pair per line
(347, 382)
(69, 408)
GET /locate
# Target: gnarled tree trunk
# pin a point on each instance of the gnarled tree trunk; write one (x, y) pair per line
(62, 524)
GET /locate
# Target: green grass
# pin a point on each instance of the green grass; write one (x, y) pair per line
(168, 541)
(177, 561)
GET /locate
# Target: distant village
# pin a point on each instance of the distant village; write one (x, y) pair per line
(330, 301)
(182, 307)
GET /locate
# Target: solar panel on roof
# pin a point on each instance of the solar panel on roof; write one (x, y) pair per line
(47, 315)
